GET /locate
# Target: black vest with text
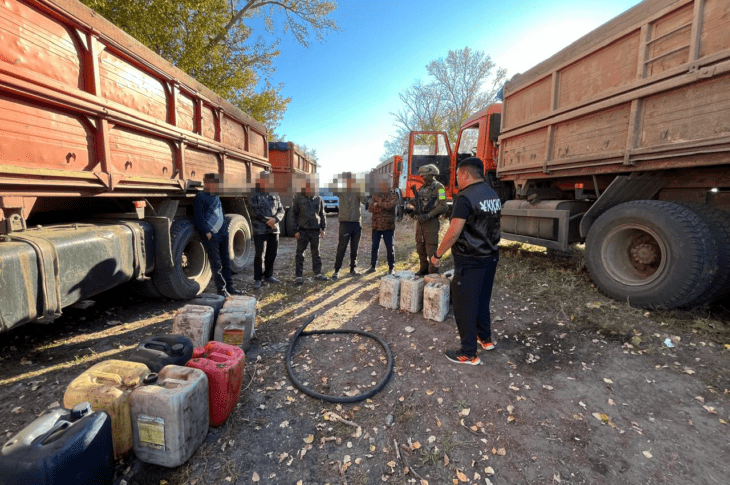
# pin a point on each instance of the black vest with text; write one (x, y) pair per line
(481, 233)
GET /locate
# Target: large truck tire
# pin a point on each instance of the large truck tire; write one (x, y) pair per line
(240, 242)
(652, 254)
(288, 222)
(719, 224)
(146, 289)
(191, 271)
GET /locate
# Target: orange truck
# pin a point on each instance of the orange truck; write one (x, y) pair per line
(620, 141)
(103, 146)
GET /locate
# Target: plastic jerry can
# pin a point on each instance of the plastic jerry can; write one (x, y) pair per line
(242, 303)
(411, 294)
(436, 301)
(107, 386)
(405, 274)
(209, 299)
(235, 326)
(223, 364)
(61, 447)
(160, 350)
(194, 322)
(390, 291)
(170, 415)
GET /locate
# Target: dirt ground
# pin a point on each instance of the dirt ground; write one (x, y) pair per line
(580, 389)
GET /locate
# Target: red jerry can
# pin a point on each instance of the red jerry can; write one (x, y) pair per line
(223, 364)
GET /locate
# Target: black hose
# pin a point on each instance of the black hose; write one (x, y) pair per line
(349, 399)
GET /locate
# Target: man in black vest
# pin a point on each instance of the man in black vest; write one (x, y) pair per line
(473, 237)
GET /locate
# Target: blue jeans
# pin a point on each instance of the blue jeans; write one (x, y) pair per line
(389, 251)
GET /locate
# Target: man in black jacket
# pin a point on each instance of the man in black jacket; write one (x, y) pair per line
(266, 213)
(473, 236)
(309, 225)
(209, 219)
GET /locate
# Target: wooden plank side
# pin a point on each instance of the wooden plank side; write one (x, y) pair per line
(232, 133)
(208, 122)
(135, 153)
(673, 32)
(185, 112)
(256, 143)
(524, 150)
(131, 87)
(602, 132)
(237, 170)
(715, 27)
(199, 162)
(690, 113)
(38, 137)
(33, 41)
(609, 68)
(528, 104)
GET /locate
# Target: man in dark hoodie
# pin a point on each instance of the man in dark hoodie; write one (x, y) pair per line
(209, 219)
(266, 213)
(309, 225)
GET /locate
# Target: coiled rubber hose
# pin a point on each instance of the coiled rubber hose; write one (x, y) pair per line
(347, 399)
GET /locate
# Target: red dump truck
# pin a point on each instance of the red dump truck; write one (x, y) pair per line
(103, 146)
(622, 141)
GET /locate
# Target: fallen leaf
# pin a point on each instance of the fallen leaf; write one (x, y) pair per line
(309, 439)
(700, 398)
(710, 409)
(461, 476)
(557, 478)
(510, 408)
(510, 419)
(593, 304)
(607, 381)
(416, 445)
(501, 452)
(648, 454)
(255, 477)
(284, 424)
(489, 470)
(429, 393)
(611, 402)
(465, 411)
(18, 410)
(582, 404)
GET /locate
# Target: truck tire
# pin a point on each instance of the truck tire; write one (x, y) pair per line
(146, 289)
(239, 241)
(719, 224)
(652, 254)
(191, 271)
(288, 222)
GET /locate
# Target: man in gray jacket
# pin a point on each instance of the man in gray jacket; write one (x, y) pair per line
(266, 213)
(350, 228)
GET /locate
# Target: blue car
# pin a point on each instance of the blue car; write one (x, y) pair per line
(331, 202)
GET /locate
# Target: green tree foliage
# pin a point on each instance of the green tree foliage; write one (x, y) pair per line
(209, 40)
(462, 83)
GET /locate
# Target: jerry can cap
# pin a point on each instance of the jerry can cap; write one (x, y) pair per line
(80, 410)
(150, 379)
(177, 349)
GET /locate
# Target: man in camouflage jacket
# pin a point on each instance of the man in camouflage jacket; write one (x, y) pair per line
(382, 205)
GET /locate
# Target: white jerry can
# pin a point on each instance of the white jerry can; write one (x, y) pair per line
(194, 322)
(436, 301)
(390, 291)
(411, 294)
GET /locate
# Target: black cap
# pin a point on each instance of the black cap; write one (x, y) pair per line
(80, 410)
(150, 379)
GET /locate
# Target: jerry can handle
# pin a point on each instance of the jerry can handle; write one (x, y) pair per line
(109, 377)
(157, 345)
(46, 437)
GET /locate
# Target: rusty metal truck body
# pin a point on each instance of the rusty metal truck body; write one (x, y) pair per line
(622, 141)
(103, 145)
(288, 162)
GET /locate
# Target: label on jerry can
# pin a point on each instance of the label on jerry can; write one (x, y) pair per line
(233, 336)
(151, 432)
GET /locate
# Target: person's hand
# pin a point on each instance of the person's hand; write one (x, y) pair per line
(410, 207)
(321, 233)
(296, 236)
(271, 222)
(435, 261)
(422, 217)
(209, 235)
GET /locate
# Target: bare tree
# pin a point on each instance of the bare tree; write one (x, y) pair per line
(463, 83)
(302, 17)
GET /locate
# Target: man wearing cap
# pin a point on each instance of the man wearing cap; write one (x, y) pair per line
(432, 196)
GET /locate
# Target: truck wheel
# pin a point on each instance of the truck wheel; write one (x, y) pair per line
(146, 289)
(288, 222)
(239, 241)
(719, 224)
(191, 271)
(653, 254)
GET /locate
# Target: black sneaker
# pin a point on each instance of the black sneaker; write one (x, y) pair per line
(422, 272)
(234, 291)
(390, 270)
(224, 293)
(460, 357)
(336, 275)
(353, 272)
(320, 277)
(272, 279)
(299, 281)
(257, 284)
(371, 270)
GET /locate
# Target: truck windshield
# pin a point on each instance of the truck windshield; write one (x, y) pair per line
(429, 149)
(468, 142)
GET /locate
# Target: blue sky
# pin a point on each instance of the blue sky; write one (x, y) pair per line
(344, 88)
